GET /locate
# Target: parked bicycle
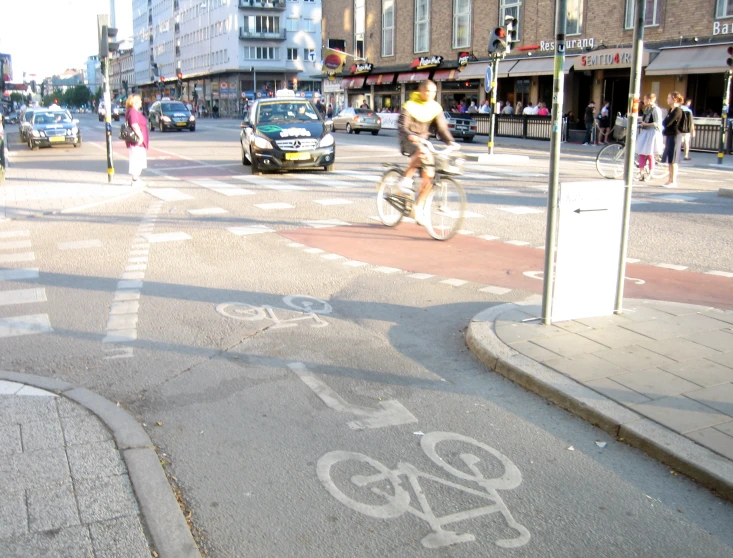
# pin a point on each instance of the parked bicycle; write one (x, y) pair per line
(445, 205)
(610, 159)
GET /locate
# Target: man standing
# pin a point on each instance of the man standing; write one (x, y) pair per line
(688, 127)
(589, 121)
(485, 108)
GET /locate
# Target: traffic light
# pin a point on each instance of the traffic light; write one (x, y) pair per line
(510, 24)
(730, 58)
(295, 84)
(124, 86)
(107, 43)
(497, 40)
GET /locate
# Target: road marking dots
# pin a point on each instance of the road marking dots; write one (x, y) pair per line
(19, 257)
(420, 276)
(517, 242)
(334, 201)
(489, 237)
(313, 251)
(295, 245)
(719, 273)
(354, 263)
(18, 274)
(275, 205)
(121, 296)
(129, 284)
(520, 210)
(25, 325)
(136, 267)
(495, 290)
(332, 257)
(22, 296)
(254, 229)
(207, 211)
(384, 269)
(79, 244)
(268, 183)
(138, 259)
(454, 282)
(14, 234)
(15, 244)
(166, 237)
(325, 223)
(222, 187)
(632, 260)
(671, 266)
(168, 194)
(124, 307)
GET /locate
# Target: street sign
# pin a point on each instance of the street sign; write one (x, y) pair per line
(223, 86)
(489, 79)
(312, 56)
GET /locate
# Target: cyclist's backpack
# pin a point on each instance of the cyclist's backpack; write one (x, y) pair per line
(686, 123)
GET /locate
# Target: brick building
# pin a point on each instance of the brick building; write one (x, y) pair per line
(685, 50)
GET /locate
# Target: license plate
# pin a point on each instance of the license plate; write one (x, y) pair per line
(297, 156)
(180, 123)
(55, 139)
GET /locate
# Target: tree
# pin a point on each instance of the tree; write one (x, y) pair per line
(78, 96)
(16, 97)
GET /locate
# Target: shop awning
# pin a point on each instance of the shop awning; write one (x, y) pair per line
(380, 79)
(445, 75)
(539, 66)
(353, 82)
(409, 77)
(478, 70)
(707, 59)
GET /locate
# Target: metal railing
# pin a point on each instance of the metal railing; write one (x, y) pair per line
(515, 126)
(262, 4)
(264, 35)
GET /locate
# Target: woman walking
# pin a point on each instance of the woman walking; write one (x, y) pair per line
(604, 123)
(138, 151)
(650, 140)
(673, 137)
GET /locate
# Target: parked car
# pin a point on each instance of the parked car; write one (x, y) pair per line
(49, 128)
(460, 125)
(286, 133)
(12, 117)
(117, 112)
(354, 120)
(170, 115)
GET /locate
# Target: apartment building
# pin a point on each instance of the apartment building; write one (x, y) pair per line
(406, 41)
(227, 51)
(121, 71)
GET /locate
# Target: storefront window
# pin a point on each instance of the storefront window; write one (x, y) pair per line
(653, 16)
(511, 8)
(461, 23)
(575, 17)
(724, 9)
(422, 25)
(388, 28)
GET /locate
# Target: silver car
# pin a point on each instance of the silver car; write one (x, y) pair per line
(354, 120)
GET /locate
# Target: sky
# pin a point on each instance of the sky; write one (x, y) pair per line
(46, 37)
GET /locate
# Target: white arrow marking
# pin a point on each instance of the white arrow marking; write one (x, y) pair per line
(125, 352)
(391, 413)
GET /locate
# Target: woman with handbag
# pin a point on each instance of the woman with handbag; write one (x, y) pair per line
(673, 137)
(138, 149)
(650, 141)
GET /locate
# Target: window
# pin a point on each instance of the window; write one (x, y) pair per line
(309, 25)
(511, 8)
(359, 27)
(387, 27)
(653, 13)
(724, 8)
(262, 24)
(462, 23)
(309, 54)
(292, 54)
(261, 53)
(292, 24)
(575, 17)
(422, 25)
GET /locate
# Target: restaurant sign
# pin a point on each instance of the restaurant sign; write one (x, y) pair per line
(364, 68)
(463, 58)
(425, 62)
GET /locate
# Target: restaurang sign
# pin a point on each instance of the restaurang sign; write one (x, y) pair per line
(425, 62)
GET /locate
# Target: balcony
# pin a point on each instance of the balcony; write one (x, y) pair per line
(278, 5)
(246, 34)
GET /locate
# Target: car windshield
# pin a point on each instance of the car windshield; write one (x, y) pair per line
(291, 111)
(173, 107)
(368, 112)
(51, 117)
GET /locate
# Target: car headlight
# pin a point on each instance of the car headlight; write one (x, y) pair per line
(326, 141)
(165, 118)
(261, 142)
(191, 118)
(74, 131)
(35, 133)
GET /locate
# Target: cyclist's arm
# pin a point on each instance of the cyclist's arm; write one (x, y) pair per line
(441, 126)
(404, 128)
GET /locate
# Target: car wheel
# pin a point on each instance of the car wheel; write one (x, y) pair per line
(468, 139)
(328, 168)
(348, 129)
(357, 131)
(192, 128)
(245, 161)
(375, 132)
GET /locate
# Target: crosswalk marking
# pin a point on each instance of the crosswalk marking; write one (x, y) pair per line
(19, 257)
(22, 296)
(495, 290)
(207, 211)
(222, 187)
(325, 223)
(165, 237)
(168, 194)
(254, 229)
(18, 274)
(269, 183)
(325, 181)
(275, 205)
(520, 210)
(14, 234)
(15, 244)
(25, 325)
(334, 201)
(80, 244)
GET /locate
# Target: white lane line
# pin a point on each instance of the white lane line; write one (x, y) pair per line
(121, 321)
(465, 232)
(383, 269)
(325, 181)
(133, 275)
(137, 259)
(334, 201)
(140, 252)
(489, 237)
(676, 198)
(129, 284)
(517, 242)
(15, 244)
(121, 296)
(22, 296)
(520, 210)
(495, 290)
(354, 263)
(168, 194)
(221, 187)
(136, 267)
(420, 276)
(166, 237)
(274, 205)
(638, 202)
(719, 273)
(122, 336)
(499, 191)
(268, 183)
(254, 229)
(79, 244)
(207, 211)
(19, 257)
(18, 274)
(295, 245)
(124, 307)
(671, 266)
(25, 325)
(313, 251)
(325, 223)
(332, 257)
(454, 282)
(14, 234)
(632, 260)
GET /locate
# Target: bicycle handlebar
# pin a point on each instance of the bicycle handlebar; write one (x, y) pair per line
(447, 149)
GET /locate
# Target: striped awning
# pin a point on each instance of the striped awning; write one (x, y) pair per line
(411, 77)
(380, 79)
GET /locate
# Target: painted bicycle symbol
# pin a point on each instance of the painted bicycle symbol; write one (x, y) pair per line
(389, 503)
(309, 307)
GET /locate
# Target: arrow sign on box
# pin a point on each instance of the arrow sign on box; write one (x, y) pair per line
(390, 413)
(584, 210)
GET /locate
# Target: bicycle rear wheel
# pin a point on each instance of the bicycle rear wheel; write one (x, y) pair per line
(610, 161)
(661, 170)
(387, 194)
(444, 209)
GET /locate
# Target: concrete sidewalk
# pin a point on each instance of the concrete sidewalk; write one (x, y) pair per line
(79, 477)
(658, 377)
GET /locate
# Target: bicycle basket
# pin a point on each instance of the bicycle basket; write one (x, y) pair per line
(619, 132)
(449, 164)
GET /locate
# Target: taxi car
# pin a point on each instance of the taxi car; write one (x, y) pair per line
(286, 132)
(170, 115)
(50, 127)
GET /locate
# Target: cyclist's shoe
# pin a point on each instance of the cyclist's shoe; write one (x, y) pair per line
(418, 212)
(405, 185)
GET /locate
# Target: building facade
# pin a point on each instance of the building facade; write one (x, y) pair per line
(407, 41)
(227, 51)
(121, 72)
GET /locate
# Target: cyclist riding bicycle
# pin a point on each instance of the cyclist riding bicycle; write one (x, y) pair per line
(416, 118)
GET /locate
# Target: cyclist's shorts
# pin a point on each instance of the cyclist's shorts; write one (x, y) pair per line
(427, 161)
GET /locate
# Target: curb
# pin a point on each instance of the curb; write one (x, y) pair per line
(706, 467)
(158, 506)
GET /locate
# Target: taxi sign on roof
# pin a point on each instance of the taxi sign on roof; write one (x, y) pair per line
(285, 93)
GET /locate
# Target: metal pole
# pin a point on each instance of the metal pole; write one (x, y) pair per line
(555, 142)
(630, 154)
(494, 86)
(108, 119)
(724, 117)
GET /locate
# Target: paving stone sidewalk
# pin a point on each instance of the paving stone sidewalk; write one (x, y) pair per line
(660, 375)
(75, 485)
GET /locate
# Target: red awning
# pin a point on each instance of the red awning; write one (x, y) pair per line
(409, 77)
(380, 79)
(444, 75)
(353, 83)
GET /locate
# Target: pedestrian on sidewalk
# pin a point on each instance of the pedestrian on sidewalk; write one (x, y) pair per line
(673, 137)
(138, 151)
(688, 129)
(589, 122)
(604, 122)
(650, 141)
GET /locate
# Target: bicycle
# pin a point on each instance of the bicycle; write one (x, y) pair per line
(446, 203)
(382, 493)
(610, 159)
(310, 308)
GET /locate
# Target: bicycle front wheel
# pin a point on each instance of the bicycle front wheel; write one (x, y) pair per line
(387, 193)
(610, 161)
(445, 209)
